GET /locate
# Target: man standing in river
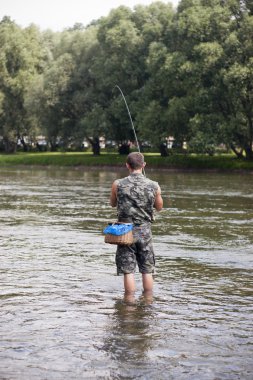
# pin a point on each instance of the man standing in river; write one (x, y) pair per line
(136, 197)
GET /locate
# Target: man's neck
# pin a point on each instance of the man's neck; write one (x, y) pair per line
(137, 171)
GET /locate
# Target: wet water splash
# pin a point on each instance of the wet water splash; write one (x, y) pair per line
(63, 312)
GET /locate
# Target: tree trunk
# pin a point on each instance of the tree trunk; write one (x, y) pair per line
(239, 154)
(248, 149)
(9, 146)
(25, 146)
(124, 149)
(249, 153)
(53, 144)
(95, 145)
(163, 150)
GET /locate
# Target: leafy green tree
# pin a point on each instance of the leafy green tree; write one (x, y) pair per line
(81, 104)
(186, 74)
(20, 61)
(93, 126)
(125, 38)
(207, 78)
(118, 63)
(154, 97)
(52, 111)
(222, 68)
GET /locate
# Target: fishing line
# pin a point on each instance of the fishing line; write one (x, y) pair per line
(130, 117)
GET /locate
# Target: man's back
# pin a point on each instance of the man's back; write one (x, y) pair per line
(136, 197)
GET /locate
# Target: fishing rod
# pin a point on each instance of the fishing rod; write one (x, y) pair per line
(130, 117)
(131, 120)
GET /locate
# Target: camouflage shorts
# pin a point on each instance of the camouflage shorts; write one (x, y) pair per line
(141, 252)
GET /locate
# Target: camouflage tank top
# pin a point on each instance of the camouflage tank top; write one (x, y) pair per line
(135, 198)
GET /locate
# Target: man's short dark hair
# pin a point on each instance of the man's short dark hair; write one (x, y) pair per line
(135, 160)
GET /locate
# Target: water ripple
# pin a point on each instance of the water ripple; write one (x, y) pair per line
(63, 313)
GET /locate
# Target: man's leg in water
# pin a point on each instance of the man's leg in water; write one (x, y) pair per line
(145, 255)
(126, 264)
(147, 281)
(129, 283)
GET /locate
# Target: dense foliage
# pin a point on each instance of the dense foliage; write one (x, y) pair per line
(186, 73)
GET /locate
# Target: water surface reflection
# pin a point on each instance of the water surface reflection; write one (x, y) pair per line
(63, 314)
(129, 333)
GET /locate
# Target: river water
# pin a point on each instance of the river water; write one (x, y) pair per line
(63, 312)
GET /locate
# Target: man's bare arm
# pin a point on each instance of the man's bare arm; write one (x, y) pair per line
(158, 200)
(113, 197)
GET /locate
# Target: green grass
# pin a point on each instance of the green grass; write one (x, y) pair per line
(60, 159)
(201, 162)
(175, 161)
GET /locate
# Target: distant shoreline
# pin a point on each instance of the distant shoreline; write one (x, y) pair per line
(122, 168)
(113, 161)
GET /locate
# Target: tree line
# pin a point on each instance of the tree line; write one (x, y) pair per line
(185, 72)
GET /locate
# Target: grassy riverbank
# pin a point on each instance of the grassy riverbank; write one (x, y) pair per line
(175, 161)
